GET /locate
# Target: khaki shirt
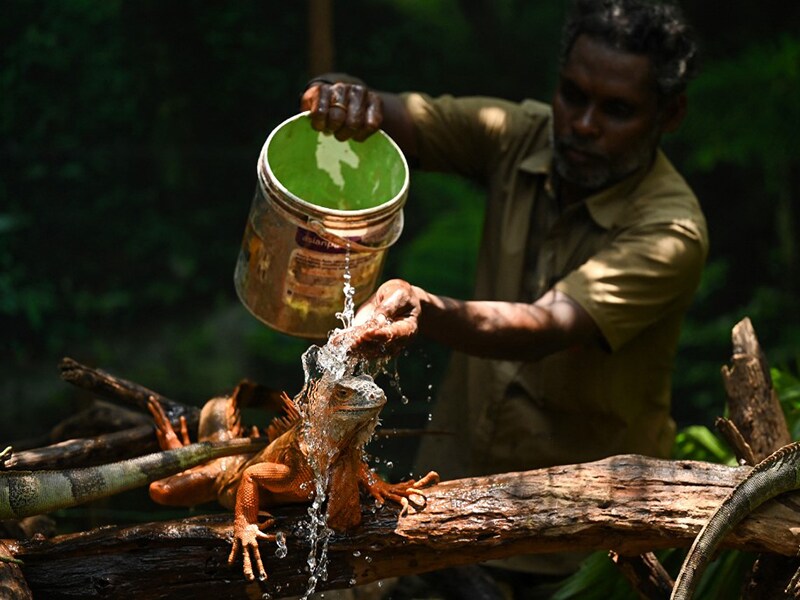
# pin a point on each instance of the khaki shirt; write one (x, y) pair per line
(631, 256)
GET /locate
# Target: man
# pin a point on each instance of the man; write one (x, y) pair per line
(592, 248)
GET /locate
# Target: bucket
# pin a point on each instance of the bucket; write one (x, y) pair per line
(321, 207)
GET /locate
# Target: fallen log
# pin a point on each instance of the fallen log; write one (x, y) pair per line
(630, 503)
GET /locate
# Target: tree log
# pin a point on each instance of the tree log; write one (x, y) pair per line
(631, 503)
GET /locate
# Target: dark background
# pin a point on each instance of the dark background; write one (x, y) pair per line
(130, 131)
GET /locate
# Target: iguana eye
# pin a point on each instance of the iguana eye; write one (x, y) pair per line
(341, 393)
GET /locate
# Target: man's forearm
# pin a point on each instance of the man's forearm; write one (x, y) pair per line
(505, 330)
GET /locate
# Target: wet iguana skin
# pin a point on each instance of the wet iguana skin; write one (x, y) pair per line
(339, 414)
(776, 474)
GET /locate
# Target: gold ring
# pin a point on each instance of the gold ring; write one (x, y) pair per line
(339, 105)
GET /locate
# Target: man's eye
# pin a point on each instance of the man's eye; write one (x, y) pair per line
(571, 95)
(619, 110)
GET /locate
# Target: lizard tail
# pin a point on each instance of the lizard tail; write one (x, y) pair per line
(776, 474)
(26, 493)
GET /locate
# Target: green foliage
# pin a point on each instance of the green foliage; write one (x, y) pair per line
(723, 102)
(597, 579)
(696, 442)
(442, 254)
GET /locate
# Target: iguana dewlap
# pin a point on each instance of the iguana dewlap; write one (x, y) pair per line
(339, 417)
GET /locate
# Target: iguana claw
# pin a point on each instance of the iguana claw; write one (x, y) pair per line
(245, 539)
(405, 493)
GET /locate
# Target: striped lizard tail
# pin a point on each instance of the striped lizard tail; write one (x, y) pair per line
(26, 493)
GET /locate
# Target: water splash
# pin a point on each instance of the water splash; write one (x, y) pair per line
(280, 541)
(346, 316)
(323, 366)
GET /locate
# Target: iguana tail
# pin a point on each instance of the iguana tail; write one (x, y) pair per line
(26, 493)
(776, 474)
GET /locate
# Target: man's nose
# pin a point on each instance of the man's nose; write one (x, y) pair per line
(585, 123)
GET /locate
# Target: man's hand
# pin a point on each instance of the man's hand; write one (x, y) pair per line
(344, 109)
(387, 322)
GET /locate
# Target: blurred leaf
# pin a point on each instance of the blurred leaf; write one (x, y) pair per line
(696, 442)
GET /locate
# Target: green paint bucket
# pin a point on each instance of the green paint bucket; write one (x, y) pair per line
(321, 208)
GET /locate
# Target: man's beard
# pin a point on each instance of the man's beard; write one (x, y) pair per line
(599, 172)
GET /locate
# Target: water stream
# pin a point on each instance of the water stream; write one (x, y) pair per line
(330, 362)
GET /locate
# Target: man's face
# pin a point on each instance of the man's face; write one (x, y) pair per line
(606, 115)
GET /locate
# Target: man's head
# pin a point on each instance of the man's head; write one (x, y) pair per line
(625, 65)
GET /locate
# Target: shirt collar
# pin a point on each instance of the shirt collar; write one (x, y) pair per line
(606, 206)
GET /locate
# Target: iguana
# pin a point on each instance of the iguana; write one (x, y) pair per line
(776, 474)
(339, 414)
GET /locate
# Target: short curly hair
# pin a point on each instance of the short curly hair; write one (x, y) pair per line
(655, 29)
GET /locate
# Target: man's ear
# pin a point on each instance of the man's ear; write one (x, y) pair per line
(673, 113)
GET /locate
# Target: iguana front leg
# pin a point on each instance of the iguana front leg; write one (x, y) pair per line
(401, 493)
(279, 480)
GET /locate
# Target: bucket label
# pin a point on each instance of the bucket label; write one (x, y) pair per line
(308, 239)
(314, 280)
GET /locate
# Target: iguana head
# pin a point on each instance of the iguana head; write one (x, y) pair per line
(341, 412)
(353, 406)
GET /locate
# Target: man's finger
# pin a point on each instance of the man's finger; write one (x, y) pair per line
(373, 117)
(337, 109)
(319, 103)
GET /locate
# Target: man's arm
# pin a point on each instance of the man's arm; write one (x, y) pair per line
(490, 329)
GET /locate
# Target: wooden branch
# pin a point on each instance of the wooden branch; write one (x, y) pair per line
(12, 582)
(741, 449)
(121, 390)
(645, 574)
(753, 404)
(109, 447)
(631, 503)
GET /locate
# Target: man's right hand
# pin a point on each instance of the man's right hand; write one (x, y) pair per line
(387, 322)
(346, 110)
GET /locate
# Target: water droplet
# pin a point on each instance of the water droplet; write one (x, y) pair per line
(280, 539)
(356, 553)
(404, 399)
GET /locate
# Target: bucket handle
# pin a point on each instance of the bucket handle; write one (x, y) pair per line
(319, 228)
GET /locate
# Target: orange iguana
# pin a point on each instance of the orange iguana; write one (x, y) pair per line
(339, 415)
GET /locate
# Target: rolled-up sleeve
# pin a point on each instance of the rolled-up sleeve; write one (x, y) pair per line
(645, 273)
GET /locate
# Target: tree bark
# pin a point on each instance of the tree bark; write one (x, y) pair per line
(12, 583)
(753, 403)
(631, 503)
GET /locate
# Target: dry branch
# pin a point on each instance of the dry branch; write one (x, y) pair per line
(631, 503)
(105, 448)
(123, 391)
(752, 401)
